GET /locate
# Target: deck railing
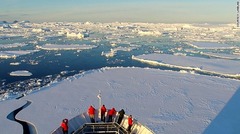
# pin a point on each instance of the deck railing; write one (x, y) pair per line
(83, 121)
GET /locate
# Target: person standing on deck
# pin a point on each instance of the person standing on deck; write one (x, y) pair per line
(130, 123)
(110, 114)
(121, 115)
(64, 126)
(91, 113)
(103, 111)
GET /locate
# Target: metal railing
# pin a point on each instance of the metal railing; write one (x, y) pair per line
(81, 124)
(96, 128)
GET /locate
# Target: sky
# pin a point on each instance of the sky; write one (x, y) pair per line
(121, 10)
(155, 11)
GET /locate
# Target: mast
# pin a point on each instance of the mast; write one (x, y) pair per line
(237, 13)
(100, 103)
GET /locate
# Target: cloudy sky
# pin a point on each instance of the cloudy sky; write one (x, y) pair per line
(156, 11)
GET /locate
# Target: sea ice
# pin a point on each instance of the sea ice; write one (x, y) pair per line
(12, 45)
(164, 101)
(14, 54)
(21, 73)
(65, 47)
(210, 45)
(221, 55)
(220, 66)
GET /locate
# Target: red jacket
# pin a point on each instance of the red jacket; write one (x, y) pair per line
(91, 110)
(103, 109)
(64, 126)
(112, 112)
(130, 121)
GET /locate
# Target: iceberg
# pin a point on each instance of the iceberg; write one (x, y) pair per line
(149, 33)
(75, 35)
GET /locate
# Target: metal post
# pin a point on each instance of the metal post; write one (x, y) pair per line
(100, 103)
(237, 13)
(100, 99)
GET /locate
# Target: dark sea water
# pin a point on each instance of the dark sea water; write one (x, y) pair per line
(49, 65)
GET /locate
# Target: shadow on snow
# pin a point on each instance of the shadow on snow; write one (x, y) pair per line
(228, 120)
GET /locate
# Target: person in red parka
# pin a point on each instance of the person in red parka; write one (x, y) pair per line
(91, 113)
(130, 123)
(64, 126)
(103, 111)
(111, 113)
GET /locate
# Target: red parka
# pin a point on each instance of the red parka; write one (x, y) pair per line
(130, 121)
(91, 110)
(64, 125)
(103, 109)
(112, 112)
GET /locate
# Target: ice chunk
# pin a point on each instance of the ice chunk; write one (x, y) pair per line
(12, 45)
(210, 45)
(14, 54)
(21, 73)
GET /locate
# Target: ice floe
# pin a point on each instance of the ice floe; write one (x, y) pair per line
(14, 54)
(65, 47)
(21, 73)
(15, 63)
(113, 51)
(165, 101)
(210, 45)
(12, 45)
(217, 66)
(222, 55)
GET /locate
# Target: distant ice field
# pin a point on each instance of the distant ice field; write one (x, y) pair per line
(52, 51)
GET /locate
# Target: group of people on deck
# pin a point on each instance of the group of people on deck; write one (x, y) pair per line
(111, 113)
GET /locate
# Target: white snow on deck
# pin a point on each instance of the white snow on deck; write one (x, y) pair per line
(165, 101)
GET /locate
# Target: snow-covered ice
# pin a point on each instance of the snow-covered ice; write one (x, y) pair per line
(222, 56)
(113, 51)
(65, 47)
(21, 73)
(12, 45)
(210, 45)
(218, 66)
(14, 63)
(14, 54)
(165, 101)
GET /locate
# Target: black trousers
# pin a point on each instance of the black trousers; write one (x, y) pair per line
(120, 119)
(65, 132)
(103, 117)
(129, 128)
(110, 118)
